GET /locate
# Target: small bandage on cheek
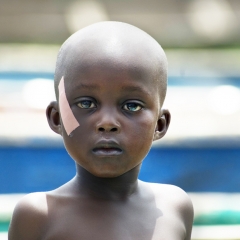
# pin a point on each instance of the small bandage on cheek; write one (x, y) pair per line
(70, 123)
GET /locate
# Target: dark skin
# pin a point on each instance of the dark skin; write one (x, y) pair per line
(117, 101)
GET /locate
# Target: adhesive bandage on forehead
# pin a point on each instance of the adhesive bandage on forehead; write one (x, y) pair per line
(69, 121)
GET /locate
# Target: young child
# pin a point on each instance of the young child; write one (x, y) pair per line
(110, 84)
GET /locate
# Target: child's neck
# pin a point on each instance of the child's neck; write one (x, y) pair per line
(118, 188)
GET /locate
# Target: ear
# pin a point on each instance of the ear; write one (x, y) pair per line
(53, 117)
(162, 124)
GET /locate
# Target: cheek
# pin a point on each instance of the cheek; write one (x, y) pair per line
(148, 124)
(142, 133)
(75, 144)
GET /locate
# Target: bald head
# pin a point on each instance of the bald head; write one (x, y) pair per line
(118, 46)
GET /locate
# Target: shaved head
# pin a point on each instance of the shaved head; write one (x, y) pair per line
(115, 44)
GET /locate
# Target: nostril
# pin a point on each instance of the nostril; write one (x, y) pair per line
(101, 129)
(113, 130)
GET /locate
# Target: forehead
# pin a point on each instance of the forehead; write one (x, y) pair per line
(101, 63)
(107, 79)
(113, 59)
(112, 50)
(122, 74)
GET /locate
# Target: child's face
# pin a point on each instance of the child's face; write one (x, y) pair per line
(117, 107)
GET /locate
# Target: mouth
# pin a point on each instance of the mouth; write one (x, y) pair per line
(107, 148)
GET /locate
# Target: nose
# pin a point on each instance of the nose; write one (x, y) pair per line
(107, 122)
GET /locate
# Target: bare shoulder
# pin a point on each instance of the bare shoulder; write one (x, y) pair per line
(172, 195)
(29, 217)
(176, 202)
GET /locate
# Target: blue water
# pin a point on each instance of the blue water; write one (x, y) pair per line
(194, 167)
(23, 76)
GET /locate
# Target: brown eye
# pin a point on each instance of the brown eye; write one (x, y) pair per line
(86, 104)
(133, 107)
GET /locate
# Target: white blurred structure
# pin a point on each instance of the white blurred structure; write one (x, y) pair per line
(38, 93)
(213, 20)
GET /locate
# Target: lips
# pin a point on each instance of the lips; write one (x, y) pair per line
(107, 148)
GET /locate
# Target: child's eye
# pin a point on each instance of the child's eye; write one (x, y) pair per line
(86, 104)
(133, 107)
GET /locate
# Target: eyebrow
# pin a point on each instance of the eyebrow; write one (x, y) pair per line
(86, 86)
(134, 89)
(124, 88)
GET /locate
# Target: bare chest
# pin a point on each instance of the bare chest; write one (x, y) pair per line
(120, 223)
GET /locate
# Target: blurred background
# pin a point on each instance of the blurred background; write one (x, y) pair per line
(201, 151)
